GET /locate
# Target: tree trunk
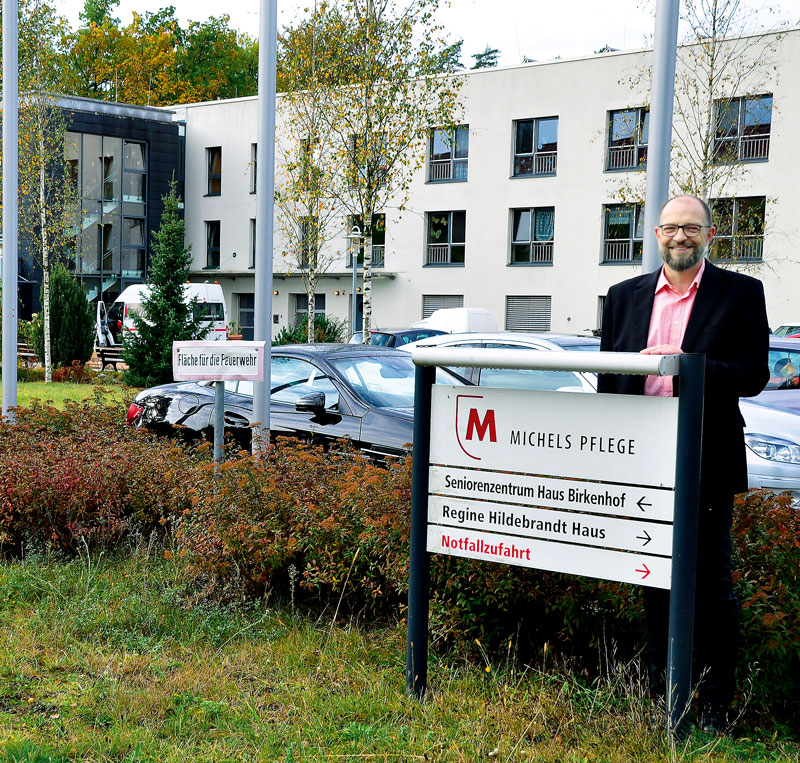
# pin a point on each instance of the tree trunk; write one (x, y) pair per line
(311, 306)
(48, 358)
(366, 337)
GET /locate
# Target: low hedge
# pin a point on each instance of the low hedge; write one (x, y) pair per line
(80, 478)
(342, 524)
(331, 529)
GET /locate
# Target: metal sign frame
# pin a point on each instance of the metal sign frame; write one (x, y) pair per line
(691, 370)
(210, 366)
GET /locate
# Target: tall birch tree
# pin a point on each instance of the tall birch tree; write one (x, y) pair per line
(380, 119)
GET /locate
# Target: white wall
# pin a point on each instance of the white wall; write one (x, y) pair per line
(580, 92)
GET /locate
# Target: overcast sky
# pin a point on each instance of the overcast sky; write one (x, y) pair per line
(519, 28)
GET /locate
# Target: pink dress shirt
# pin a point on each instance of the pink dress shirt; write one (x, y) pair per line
(668, 323)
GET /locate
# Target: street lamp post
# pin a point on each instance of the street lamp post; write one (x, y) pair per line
(354, 235)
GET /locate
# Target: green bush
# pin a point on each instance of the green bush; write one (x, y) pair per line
(167, 316)
(71, 321)
(343, 523)
(326, 329)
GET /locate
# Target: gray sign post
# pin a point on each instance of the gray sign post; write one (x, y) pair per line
(630, 473)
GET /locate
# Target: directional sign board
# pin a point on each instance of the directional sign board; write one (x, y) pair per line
(574, 483)
(217, 361)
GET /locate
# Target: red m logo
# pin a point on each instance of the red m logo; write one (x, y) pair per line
(474, 423)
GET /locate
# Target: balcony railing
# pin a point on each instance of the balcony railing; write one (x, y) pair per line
(543, 163)
(542, 251)
(754, 147)
(442, 170)
(438, 254)
(622, 158)
(622, 251)
(740, 248)
(378, 257)
(745, 148)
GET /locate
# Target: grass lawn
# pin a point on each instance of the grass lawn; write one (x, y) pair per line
(59, 394)
(106, 660)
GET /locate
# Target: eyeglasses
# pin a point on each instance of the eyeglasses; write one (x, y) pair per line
(692, 229)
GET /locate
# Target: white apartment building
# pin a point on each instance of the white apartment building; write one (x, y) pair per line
(524, 211)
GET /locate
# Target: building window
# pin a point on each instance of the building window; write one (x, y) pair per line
(446, 238)
(212, 244)
(378, 241)
(527, 313)
(742, 129)
(252, 260)
(448, 152)
(112, 168)
(253, 167)
(627, 138)
(433, 302)
(624, 228)
(740, 229)
(535, 146)
(532, 235)
(214, 170)
(247, 315)
(134, 178)
(133, 247)
(601, 304)
(301, 306)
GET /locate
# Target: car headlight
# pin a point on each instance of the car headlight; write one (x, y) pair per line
(773, 448)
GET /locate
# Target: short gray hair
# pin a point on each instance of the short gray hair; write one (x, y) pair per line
(703, 203)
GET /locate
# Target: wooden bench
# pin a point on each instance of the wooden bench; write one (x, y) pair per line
(26, 353)
(110, 356)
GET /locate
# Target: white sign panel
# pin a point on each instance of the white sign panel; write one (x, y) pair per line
(654, 571)
(217, 361)
(611, 438)
(570, 494)
(565, 526)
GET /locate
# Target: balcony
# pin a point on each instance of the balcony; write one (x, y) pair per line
(740, 248)
(622, 251)
(438, 254)
(378, 257)
(444, 170)
(542, 251)
(544, 163)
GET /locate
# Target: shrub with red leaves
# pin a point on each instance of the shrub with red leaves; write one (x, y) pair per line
(80, 475)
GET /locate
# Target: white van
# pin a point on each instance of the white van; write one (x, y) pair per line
(457, 320)
(114, 325)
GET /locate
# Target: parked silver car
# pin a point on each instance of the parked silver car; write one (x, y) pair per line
(772, 434)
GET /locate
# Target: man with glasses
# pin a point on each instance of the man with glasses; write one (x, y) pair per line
(690, 305)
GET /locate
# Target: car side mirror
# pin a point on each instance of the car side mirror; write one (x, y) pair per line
(313, 402)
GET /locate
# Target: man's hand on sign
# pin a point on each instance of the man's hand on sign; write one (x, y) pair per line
(662, 349)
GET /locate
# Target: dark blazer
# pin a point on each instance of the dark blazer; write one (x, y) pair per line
(728, 324)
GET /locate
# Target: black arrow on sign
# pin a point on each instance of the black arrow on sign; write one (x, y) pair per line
(641, 503)
(646, 537)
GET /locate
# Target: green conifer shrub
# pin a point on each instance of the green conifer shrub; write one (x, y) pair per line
(166, 317)
(71, 321)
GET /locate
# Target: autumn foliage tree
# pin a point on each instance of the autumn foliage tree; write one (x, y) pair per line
(377, 72)
(154, 61)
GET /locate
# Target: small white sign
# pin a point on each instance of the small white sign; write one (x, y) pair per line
(641, 569)
(546, 492)
(610, 438)
(217, 361)
(564, 526)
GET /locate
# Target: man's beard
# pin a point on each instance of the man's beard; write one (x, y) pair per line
(682, 263)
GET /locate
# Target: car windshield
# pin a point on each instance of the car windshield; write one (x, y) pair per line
(386, 381)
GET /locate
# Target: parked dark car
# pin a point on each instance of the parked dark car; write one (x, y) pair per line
(395, 337)
(319, 391)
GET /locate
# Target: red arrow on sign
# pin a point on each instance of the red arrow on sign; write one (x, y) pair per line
(645, 571)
